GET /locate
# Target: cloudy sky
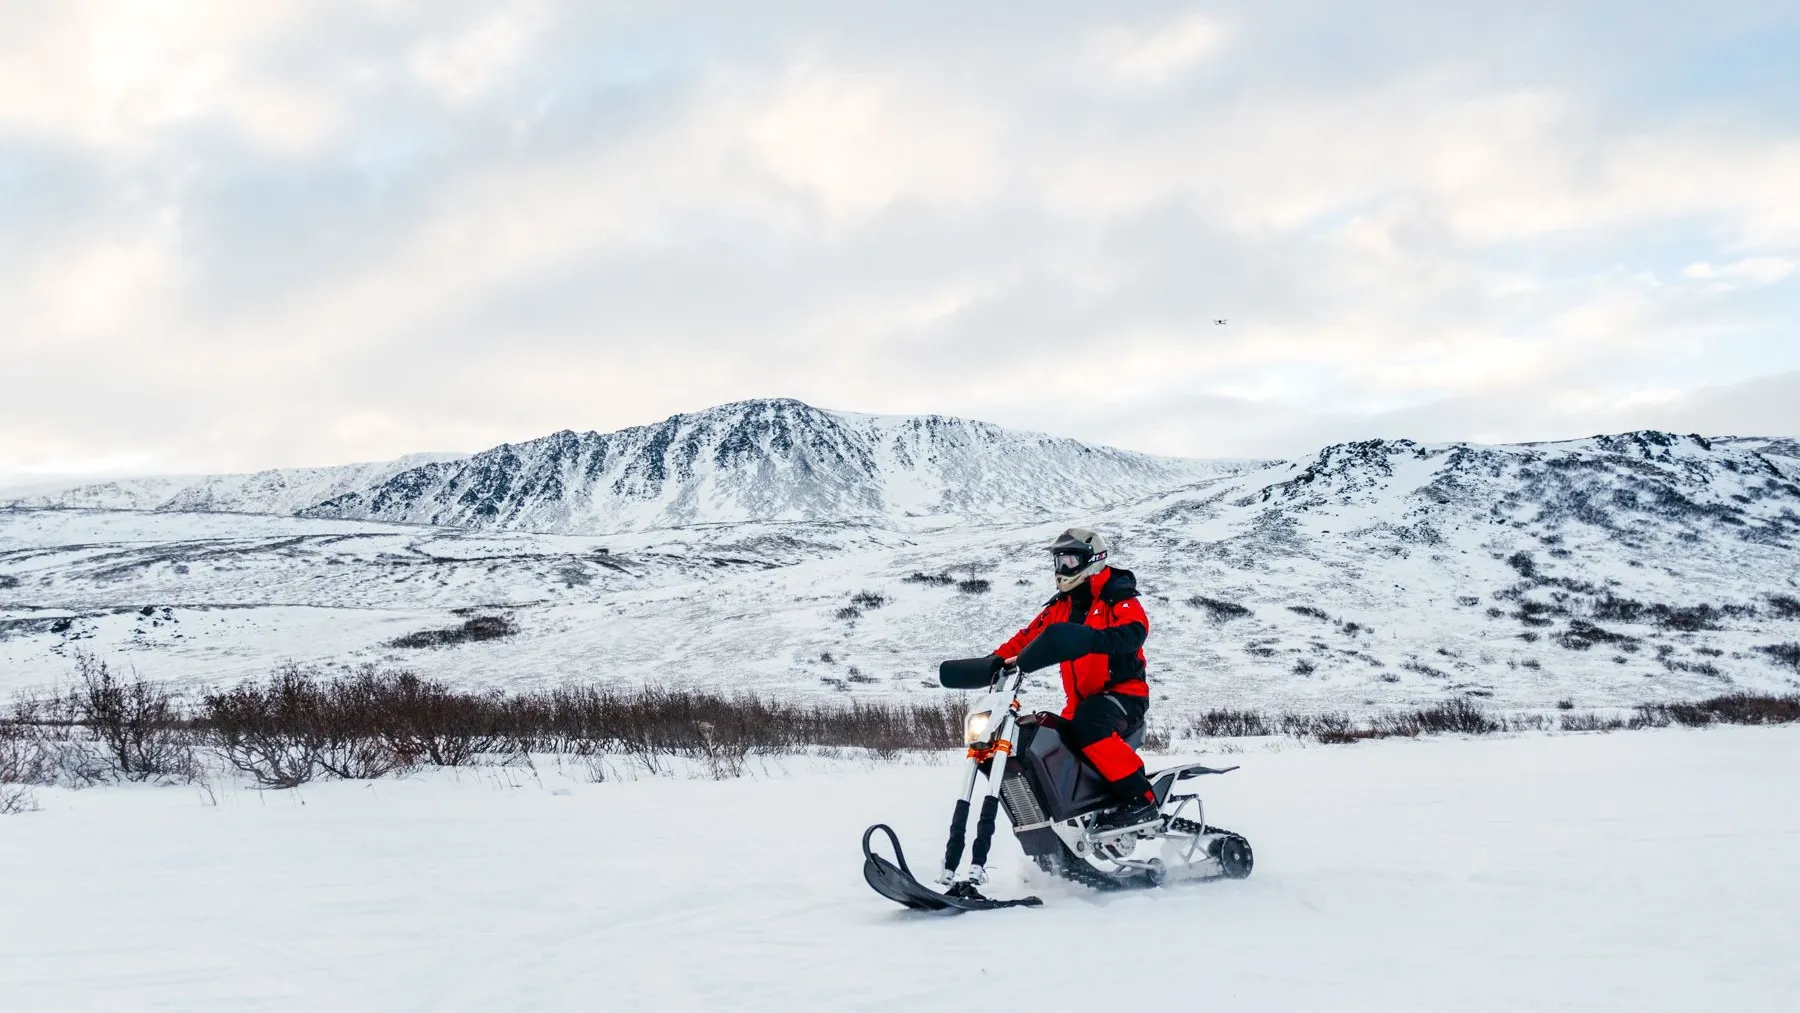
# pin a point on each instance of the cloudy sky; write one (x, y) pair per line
(236, 236)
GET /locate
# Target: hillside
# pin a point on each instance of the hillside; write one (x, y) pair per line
(1607, 571)
(764, 460)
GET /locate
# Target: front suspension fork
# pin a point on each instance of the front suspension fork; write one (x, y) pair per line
(990, 807)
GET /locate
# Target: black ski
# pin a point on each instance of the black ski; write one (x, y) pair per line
(896, 883)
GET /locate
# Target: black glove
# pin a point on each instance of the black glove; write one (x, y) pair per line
(1057, 643)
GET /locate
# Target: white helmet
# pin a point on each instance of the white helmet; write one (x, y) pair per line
(1078, 554)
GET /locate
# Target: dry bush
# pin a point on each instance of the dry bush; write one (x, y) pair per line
(23, 763)
(1731, 709)
(1783, 654)
(296, 726)
(423, 722)
(287, 731)
(138, 730)
(1229, 723)
(1460, 715)
(26, 756)
(1218, 609)
(478, 628)
(1155, 738)
(1582, 635)
(16, 798)
(1590, 723)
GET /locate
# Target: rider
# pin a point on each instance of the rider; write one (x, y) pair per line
(1107, 694)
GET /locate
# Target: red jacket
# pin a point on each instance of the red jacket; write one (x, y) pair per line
(1108, 602)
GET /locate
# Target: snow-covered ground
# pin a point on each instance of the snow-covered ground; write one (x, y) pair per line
(1636, 871)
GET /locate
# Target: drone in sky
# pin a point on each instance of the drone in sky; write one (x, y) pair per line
(1219, 323)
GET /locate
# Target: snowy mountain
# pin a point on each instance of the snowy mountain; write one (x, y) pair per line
(769, 460)
(276, 491)
(1608, 571)
(766, 460)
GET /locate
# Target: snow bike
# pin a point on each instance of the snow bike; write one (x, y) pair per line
(1052, 796)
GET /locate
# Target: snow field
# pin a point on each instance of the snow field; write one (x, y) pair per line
(1633, 871)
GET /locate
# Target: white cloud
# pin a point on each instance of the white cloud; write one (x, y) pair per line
(303, 234)
(468, 62)
(1158, 53)
(859, 143)
(117, 77)
(1753, 272)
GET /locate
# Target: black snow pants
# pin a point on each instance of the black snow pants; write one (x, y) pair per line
(1098, 730)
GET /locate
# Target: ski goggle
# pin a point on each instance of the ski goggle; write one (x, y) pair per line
(1069, 563)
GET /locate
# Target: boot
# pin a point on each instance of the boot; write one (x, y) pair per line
(1138, 812)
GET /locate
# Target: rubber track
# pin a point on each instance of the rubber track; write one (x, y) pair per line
(1076, 870)
(1190, 827)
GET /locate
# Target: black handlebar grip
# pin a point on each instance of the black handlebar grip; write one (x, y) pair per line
(969, 673)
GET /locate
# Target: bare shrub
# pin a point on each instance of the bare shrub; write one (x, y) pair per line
(1414, 665)
(1338, 728)
(1680, 618)
(295, 726)
(1783, 654)
(139, 732)
(1590, 723)
(929, 579)
(868, 600)
(1216, 723)
(476, 629)
(974, 585)
(1537, 613)
(26, 755)
(1310, 612)
(1786, 606)
(264, 730)
(16, 798)
(289, 730)
(23, 763)
(1731, 709)
(1459, 715)
(1217, 609)
(416, 721)
(1582, 635)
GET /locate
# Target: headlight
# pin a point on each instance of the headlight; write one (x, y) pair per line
(978, 726)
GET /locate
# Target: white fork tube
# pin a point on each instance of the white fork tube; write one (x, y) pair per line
(959, 822)
(990, 803)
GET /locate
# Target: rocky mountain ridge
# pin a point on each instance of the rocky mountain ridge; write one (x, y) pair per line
(763, 460)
